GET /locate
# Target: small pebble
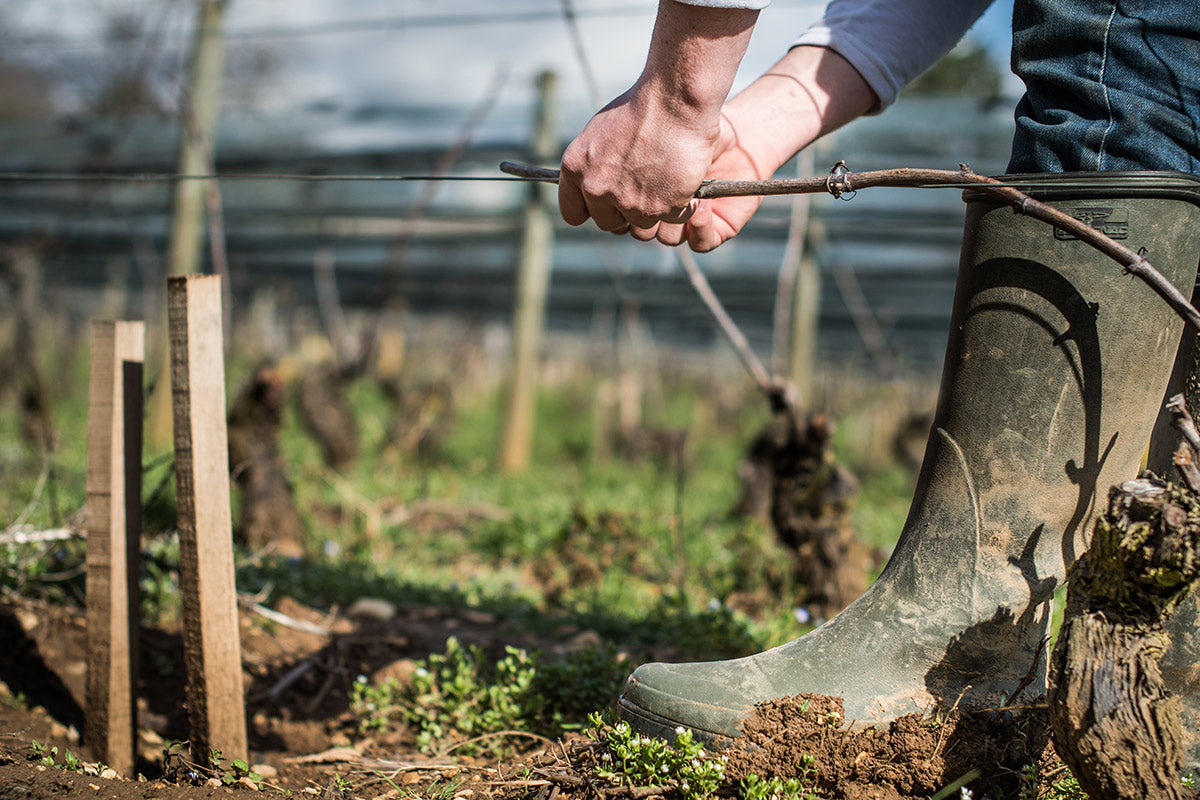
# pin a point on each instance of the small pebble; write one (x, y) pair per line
(372, 608)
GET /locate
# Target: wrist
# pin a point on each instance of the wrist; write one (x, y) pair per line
(693, 59)
(811, 91)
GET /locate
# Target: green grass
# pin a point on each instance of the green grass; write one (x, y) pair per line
(599, 534)
(883, 501)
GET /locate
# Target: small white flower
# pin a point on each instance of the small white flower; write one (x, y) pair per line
(678, 730)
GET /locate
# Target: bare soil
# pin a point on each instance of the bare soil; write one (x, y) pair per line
(913, 757)
(303, 739)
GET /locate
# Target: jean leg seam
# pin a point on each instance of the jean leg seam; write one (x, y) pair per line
(1104, 87)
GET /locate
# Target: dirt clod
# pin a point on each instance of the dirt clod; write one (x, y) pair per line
(913, 757)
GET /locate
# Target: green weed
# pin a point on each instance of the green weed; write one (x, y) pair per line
(48, 757)
(48, 571)
(1060, 784)
(159, 582)
(684, 768)
(752, 787)
(459, 696)
(453, 697)
(179, 766)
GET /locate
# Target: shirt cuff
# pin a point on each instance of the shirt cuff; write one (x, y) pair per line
(752, 5)
(881, 81)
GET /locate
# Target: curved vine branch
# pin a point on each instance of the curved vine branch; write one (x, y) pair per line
(841, 182)
(775, 391)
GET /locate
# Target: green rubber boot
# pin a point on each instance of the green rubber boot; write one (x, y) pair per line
(1054, 371)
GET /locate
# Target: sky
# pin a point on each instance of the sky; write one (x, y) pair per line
(456, 61)
(373, 52)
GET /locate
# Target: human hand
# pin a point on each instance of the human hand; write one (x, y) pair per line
(714, 222)
(638, 162)
(810, 91)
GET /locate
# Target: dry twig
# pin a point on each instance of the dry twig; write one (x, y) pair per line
(24, 534)
(280, 618)
(1185, 456)
(494, 735)
(1183, 422)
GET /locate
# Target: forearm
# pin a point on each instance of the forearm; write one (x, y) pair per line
(811, 91)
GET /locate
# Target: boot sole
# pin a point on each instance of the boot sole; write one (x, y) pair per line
(652, 724)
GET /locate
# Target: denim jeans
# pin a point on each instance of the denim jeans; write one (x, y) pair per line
(1110, 85)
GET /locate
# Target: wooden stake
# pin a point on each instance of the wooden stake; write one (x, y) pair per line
(114, 489)
(212, 650)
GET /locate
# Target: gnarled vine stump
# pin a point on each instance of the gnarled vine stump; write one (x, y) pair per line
(324, 412)
(790, 475)
(269, 516)
(1115, 724)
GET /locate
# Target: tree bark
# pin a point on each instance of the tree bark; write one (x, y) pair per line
(1114, 723)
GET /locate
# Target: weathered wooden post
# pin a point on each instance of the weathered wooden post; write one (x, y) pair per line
(212, 649)
(197, 134)
(798, 300)
(533, 278)
(806, 314)
(197, 137)
(114, 497)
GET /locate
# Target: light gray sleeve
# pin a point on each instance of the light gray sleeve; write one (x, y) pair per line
(891, 42)
(753, 5)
